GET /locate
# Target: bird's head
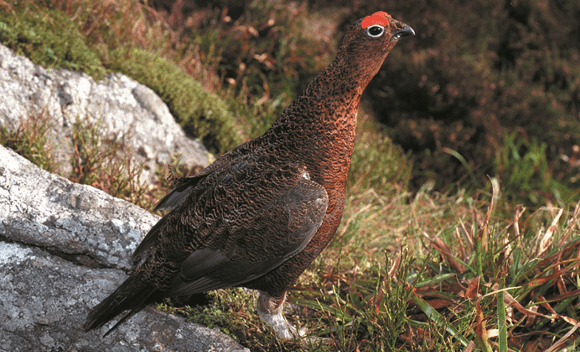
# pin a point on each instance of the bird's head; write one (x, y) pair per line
(369, 40)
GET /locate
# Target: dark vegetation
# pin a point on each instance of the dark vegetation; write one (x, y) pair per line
(480, 79)
(429, 257)
(483, 77)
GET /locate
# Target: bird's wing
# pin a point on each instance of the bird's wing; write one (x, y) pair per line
(259, 239)
(185, 185)
(218, 175)
(182, 189)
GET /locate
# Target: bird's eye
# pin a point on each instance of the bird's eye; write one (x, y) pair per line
(375, 31)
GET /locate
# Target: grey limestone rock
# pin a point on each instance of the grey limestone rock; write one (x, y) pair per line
(63, 248)
(44, 301)
(125, 110)
(47, 210)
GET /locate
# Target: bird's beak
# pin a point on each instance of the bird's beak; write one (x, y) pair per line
(403, 32)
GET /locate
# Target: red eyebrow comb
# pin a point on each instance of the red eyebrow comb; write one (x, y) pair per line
(380, 18)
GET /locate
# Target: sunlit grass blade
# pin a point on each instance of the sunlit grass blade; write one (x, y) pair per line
(501, 322)
(437, 318)
(316, 304)
(435, 280)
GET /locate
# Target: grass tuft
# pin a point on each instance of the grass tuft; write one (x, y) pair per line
(106, 164)
(527, 174)
(31, 140)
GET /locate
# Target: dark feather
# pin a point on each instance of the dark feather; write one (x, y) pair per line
(132, 294)
(140, 253)
(290, 220)
(182, 189)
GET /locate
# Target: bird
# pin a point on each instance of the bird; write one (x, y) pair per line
(260, 214)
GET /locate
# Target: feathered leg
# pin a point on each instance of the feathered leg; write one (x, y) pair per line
(271, 310)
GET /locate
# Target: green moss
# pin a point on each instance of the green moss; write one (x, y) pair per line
(201, 114)
(51, 39)
(377, 163)
(48, 38)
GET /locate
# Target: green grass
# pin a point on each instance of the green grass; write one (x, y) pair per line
(376, 162)
(526, 172)
(446, 293)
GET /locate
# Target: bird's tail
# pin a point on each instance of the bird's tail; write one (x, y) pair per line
(133, 294)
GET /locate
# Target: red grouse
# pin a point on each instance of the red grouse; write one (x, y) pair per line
(260, 214)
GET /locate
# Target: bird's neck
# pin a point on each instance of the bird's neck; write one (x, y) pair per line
(328, 104)
(320, 125)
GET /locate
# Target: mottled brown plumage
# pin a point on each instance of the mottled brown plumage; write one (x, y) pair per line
(260, 214)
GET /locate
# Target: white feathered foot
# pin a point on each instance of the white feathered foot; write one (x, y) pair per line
(271, 310)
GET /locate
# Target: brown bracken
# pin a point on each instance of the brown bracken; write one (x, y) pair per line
(260, 214)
